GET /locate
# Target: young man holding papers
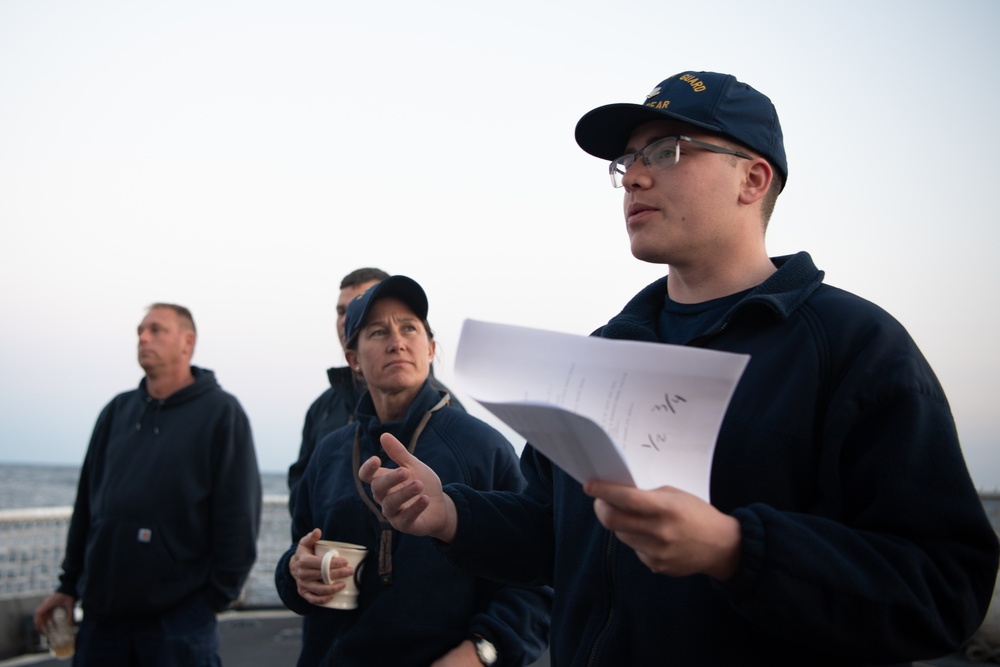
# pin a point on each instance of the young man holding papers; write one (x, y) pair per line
(843, 527)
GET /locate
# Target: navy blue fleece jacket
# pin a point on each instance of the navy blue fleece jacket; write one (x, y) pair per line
(431, 606)
(863, 538)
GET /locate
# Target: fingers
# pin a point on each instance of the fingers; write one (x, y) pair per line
(393, 487)
(404, 509)
(372, 468)
(618, 507)
(399, 494)
(44, 611)
(411, 495)
(386, 480)
(318, 592)
(42, 614)
(626, 498)
(673, 532)
(305, 564)
(305, 569)
(311, 584)
(463, 654)
(369, 469)
(339, 569)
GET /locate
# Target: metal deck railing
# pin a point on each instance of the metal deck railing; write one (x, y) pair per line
(33, 541)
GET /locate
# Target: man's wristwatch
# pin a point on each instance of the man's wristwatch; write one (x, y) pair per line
(486, 651)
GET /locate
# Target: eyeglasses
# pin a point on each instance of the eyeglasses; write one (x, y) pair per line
(662, 154)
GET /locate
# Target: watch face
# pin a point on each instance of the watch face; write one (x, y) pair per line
(487, 651)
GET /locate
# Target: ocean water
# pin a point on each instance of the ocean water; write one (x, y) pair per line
(31, 485)
(23, 486)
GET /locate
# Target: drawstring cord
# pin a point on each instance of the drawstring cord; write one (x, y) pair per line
(145, 411)
(385, 528)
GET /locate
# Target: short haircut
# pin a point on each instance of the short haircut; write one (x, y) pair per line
(361, 276)
(183, 314)
(771, 198)
(777, 183)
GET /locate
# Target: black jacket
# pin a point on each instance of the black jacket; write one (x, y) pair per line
(168, 504)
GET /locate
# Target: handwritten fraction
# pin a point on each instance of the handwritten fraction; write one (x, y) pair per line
(669, 405)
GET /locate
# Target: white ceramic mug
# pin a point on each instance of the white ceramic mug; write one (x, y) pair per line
(355, 555)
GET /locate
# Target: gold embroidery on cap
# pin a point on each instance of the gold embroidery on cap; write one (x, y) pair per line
(696, 83)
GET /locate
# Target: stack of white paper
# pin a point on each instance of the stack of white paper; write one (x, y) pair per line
(642, 414)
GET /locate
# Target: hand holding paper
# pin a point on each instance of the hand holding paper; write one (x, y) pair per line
(642, 414)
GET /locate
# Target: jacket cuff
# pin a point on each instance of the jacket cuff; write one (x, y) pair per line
(744, 582)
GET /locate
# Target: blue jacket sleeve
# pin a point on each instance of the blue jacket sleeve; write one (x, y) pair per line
(79, 527)
(517, 618)
(302, 523)
(900, 571)
(506, 535)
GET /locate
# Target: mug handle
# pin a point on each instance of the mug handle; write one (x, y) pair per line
(324, 566)
(357, 573)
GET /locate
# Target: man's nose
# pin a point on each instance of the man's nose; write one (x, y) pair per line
(637, 175)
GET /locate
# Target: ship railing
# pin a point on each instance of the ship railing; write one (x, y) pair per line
(33, 542)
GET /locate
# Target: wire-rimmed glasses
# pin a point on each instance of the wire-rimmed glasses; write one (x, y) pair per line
(662, 154)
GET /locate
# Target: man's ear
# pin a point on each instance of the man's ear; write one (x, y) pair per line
(756, 181)
(189, 340)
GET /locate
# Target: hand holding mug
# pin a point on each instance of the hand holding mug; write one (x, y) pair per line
(354, 554)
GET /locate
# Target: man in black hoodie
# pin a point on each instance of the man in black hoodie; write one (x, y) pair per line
(167, 512)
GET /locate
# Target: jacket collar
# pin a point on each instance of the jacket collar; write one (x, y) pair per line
(403, 429)
(781, 294)
(204, 381)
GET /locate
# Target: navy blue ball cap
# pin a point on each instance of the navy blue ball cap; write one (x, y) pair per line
(403, 288)
(714, 102)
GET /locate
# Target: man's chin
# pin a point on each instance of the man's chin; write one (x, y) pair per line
(645, 255)
(646, 249)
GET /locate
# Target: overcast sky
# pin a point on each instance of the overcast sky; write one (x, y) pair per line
(241, 157)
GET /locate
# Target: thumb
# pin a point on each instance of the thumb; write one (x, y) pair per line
(310, 539)
(397, 451)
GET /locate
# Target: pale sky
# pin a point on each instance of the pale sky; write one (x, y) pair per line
(241, 157)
